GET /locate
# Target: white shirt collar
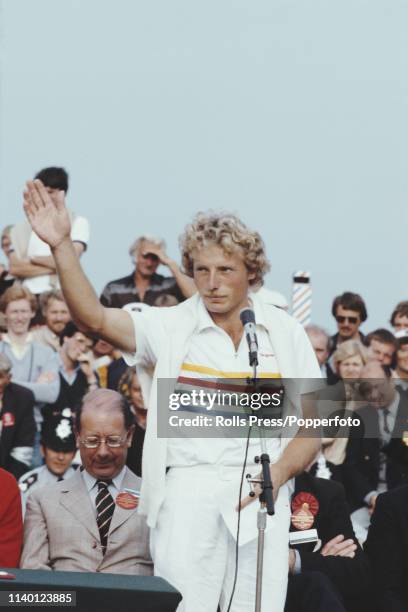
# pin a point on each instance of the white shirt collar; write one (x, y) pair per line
(90, 481)
(205, 321)
(28, 339)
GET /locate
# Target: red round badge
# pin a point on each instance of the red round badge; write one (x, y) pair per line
(305, 498)
(8, 419)
(304, 509)
(127, 501)
(302, 518)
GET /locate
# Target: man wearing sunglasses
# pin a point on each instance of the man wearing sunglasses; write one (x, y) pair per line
(350, 312)
(90, 523)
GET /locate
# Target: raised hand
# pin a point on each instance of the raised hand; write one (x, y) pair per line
(49, 219)
(160, 253)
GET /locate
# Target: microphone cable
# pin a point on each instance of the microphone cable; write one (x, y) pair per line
(247, 316)
(239, 519)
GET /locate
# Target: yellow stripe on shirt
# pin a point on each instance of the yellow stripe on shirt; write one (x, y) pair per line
(191, 367)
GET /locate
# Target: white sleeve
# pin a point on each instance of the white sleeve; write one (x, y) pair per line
(150, 335)
(80, 230)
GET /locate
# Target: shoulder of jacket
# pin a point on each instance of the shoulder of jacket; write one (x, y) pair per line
(27, 480)
(22, 392)
(131, 476)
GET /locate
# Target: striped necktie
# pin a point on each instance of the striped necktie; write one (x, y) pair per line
(104, 511)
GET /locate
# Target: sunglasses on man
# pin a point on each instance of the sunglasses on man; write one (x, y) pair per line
(342, 319)
(151, 256)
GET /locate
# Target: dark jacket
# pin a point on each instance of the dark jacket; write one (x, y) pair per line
(350, 577)
(334, 342)
(362, 462)
(18, 427)
(387, 547)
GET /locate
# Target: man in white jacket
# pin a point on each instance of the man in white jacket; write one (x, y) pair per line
(190, 485)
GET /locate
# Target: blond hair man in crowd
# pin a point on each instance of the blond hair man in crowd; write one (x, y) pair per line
(56, 316)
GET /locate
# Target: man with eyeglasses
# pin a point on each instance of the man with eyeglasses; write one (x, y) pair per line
(350, 312)
(90, 523)
(144, 285)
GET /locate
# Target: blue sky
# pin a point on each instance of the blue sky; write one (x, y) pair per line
(291, 113)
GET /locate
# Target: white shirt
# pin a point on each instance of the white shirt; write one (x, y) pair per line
(212, 357)
(38, 248)
(114, 488)
(19, 350)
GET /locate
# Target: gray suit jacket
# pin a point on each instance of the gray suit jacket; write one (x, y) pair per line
(60, 532)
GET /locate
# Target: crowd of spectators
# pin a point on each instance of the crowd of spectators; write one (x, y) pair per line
(58, 385)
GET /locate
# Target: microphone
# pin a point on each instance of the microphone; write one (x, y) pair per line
(247, 317)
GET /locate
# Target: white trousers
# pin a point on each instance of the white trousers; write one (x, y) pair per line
(194, 549)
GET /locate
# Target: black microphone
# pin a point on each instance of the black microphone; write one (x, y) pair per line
(247, 317)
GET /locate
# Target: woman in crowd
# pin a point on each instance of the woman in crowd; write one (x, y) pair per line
(348, 361)
(129, 386)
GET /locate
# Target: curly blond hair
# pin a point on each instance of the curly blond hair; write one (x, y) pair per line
(231, 234)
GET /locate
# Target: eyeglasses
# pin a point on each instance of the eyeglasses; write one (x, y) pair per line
(341, 319)
(152, 256)
(95, 441)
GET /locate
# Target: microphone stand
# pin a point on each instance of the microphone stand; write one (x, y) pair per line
(266, 496)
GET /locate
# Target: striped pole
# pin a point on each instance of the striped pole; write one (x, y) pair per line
(302, 297)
